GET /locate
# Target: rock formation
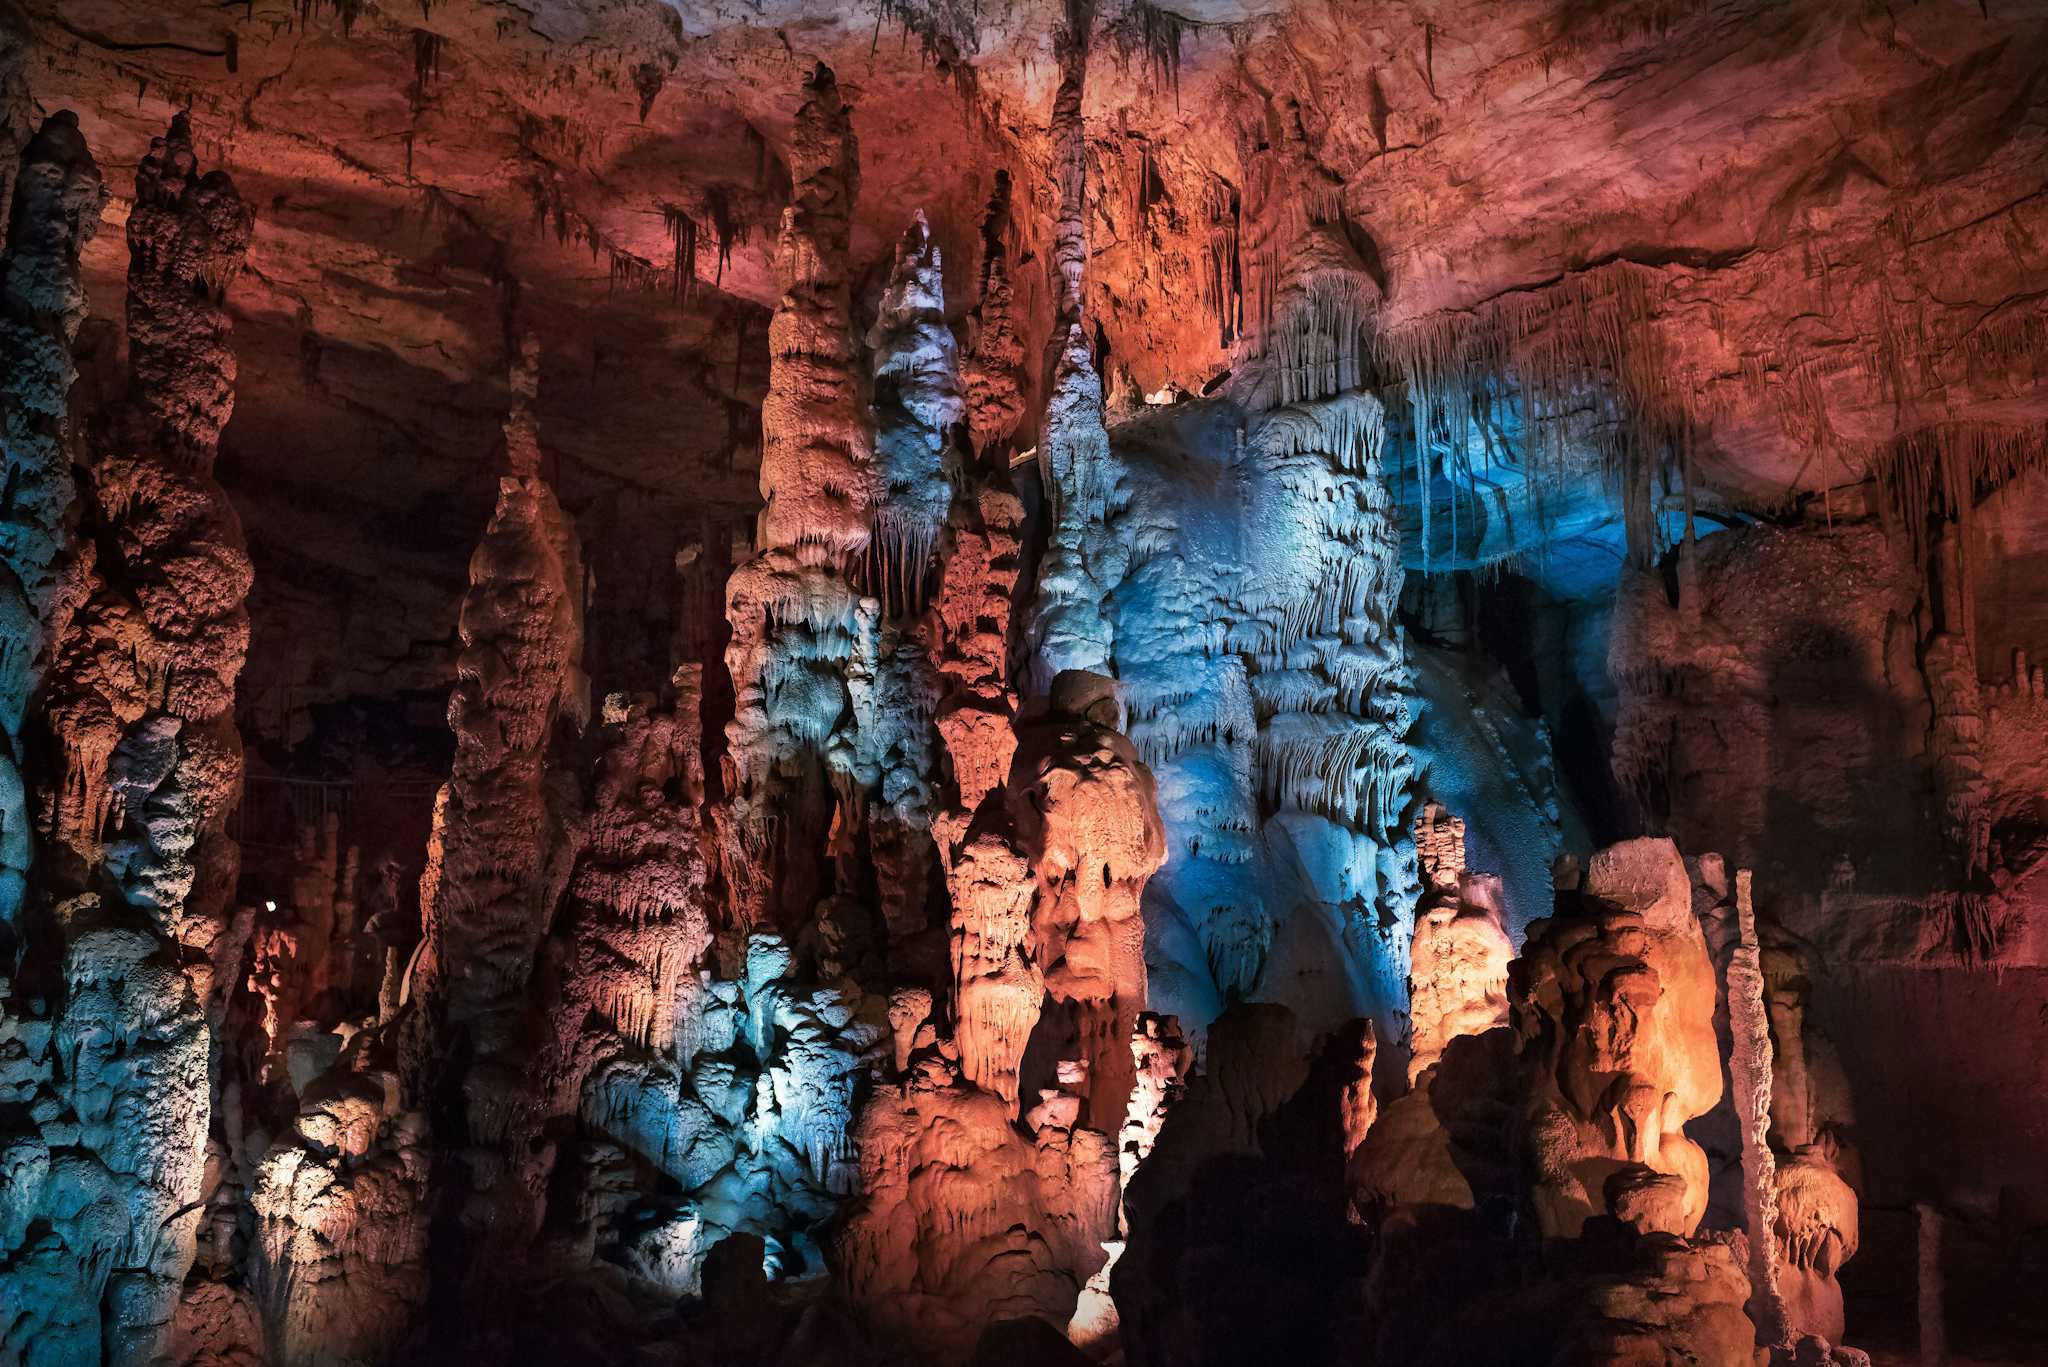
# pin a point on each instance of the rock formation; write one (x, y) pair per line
(504, 837)
(135, 872)
(1060, 515)
(53, 213)
(797, 620)
(1616, 1005)
(1458, 984)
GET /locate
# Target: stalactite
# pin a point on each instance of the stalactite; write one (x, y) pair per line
(727, 232)
(426, 59)
(918, 402)
(1223, 260)
(1591, 337)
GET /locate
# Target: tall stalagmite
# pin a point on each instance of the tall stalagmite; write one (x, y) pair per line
(66, 1220)
(974, 603)
(797, 620)
(505, 838)
(1064, 624)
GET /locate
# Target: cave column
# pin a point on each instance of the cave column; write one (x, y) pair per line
(797, 620)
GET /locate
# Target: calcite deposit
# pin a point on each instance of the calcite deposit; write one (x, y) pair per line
(1046, 682)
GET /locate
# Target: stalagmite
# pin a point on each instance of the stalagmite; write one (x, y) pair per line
(1082, 561)
(1619, 999)
(633, 930)
(797, 620)
(340, 1201)
(502, 842)
(1087, 818)
(1932, 1286)
(138, 706)
(1457, 984)
(1161, 1059)
(995, 379)
(970, 623)
(963, 1220)
(984, 535)
(1749, 1066)
(998, 984)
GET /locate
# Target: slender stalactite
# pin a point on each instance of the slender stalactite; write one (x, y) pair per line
(504, 840)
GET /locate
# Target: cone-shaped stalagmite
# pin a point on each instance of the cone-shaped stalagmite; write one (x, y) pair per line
(503, 844)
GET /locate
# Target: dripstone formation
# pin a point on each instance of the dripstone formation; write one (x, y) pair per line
(1061, 682)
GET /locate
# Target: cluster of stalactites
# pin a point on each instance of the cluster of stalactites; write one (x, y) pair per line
(1315, 340)
(1329, 672)
(1588, 342)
